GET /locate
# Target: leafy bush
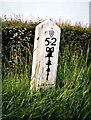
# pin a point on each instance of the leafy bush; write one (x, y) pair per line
(18, 40)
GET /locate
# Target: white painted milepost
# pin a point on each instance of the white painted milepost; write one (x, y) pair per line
(45, 55)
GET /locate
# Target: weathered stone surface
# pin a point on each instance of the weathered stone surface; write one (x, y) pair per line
(45, 54)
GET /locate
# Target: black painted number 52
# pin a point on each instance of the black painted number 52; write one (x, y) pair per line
(52, 41)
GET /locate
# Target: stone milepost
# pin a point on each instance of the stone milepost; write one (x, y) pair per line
(45, 55)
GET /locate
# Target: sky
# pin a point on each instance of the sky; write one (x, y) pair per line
(71, 10)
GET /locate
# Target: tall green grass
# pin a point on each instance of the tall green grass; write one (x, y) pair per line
(70, 99)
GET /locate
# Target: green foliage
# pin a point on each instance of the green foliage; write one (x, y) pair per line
(71, 97)
(70, 101)
(18, 40)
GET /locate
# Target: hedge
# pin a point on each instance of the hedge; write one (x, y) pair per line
(18, 40)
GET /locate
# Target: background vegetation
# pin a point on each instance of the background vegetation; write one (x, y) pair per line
(71, 97)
